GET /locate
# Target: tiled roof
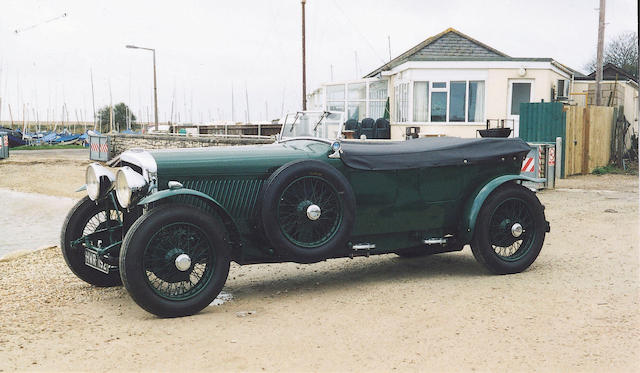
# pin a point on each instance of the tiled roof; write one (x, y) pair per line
(451, 45)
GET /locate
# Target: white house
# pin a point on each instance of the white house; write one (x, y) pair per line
(449, 84)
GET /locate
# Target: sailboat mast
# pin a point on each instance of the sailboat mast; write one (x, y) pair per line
(93, 99)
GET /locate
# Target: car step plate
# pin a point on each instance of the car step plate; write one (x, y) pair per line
(92, 259)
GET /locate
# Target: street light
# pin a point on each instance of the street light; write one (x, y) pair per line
(155, 90)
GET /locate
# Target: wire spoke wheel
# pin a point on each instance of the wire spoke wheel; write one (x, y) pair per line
(168, 276)
(512, 229)
(298, 220)
(101, 220)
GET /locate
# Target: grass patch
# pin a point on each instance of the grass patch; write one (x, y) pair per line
(47, 147)
(611, 169)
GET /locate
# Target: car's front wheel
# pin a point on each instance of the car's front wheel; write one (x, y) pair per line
(85, 218)
(510, 230)
(174, 260)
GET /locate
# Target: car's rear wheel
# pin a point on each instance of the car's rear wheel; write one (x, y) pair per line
(510, 230)
(307, 210)
(174, 260)
(87, 217)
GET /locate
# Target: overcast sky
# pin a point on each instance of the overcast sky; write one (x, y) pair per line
(206, 47)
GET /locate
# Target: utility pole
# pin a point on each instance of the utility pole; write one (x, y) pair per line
(304, 65)
(599, 53)
(389, 40)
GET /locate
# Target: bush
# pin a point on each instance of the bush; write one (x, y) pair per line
(610, 169)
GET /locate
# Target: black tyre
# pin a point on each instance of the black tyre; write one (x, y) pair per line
(174, 260)
(84, 218)
(510, 230)
(307, 211)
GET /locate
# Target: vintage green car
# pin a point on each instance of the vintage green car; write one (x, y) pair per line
(169, 223)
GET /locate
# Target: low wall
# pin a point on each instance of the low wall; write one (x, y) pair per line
(119, 142)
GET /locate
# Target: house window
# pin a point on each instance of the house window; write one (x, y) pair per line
(438, 106)
(402, 102)
(521, 92)
(420, 101)
(563, 89)
(450, 101)
(377, 98)
(335, 97)
(358, 99)
(439, 102)
(476, 101)
(458, 93)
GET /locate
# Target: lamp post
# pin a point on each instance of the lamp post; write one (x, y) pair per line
(155, 90)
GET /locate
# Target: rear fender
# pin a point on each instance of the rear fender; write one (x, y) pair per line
(475, 202)
(228, 221)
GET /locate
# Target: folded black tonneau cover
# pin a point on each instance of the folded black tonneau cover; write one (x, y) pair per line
(429, 152)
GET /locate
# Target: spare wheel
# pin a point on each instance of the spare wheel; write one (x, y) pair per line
(307, 211)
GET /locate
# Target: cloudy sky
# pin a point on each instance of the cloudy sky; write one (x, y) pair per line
(204, 48)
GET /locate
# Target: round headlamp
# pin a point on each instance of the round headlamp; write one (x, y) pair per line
(130, 185)
(99, 181)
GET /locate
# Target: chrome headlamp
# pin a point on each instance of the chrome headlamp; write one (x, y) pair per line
(99, 181)
(130, 186)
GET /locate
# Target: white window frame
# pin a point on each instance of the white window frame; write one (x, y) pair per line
(345, 101)
(447, 90)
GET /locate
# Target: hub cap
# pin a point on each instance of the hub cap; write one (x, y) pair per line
(183, 262)
(309, 211)
(516, 230)
(313, 212)
(512, 229)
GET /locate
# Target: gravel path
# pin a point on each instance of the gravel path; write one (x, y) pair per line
(575, 309)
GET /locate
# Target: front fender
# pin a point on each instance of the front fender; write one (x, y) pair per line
(168, 193)
(476, 200)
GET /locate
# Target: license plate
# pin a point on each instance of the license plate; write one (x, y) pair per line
(92, 259)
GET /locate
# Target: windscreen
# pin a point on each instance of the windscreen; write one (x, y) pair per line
(325, 125)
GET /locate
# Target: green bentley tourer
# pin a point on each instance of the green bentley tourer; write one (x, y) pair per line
(168, 223)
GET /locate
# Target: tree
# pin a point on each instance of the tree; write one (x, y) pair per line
(621, 51)
(120, 112)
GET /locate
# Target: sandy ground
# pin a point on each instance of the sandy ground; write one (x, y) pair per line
(575, 309)
(52, 172)
(30, 220)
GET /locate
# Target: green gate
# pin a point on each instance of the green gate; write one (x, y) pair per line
(543, 122)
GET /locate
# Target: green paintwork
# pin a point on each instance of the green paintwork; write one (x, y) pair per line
(395, 209)
(543, 122)
(472, 209)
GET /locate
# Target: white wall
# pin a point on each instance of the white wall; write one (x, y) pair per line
(497, 81)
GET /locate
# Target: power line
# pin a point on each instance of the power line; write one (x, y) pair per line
(359, 32)
(17, 31)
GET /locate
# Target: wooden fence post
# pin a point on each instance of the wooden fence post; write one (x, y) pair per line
(585, 140)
